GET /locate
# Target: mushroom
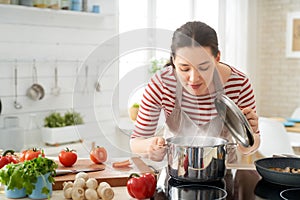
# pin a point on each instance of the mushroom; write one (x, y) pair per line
(67, 185)
(79, 182)
(105, 191)
(91, 194)
(83, 175)
(77, 193)
(68, 193)
(91, 183)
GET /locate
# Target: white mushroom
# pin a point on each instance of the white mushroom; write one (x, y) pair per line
(83, 175)
(67, 185)
(91, 183)
(105, 191)
(79, 182)
(77, 193)
(68, 193)
(91, 194)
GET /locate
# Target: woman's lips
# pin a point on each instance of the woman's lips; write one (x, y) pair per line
(195, 86)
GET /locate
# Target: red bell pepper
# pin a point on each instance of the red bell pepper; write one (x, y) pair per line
(141, 187)
(7, 157)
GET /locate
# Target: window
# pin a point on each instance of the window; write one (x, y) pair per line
(162, 14)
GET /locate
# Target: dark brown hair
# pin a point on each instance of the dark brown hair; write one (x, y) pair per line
(193, 34)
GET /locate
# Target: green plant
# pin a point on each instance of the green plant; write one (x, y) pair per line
(70, 118)
(136, 105)
(157, 64)
(73, 118)
(25, 174)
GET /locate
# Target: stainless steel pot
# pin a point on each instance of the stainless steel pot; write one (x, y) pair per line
(203, 161)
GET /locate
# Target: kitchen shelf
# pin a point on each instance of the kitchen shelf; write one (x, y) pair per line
(18, 14)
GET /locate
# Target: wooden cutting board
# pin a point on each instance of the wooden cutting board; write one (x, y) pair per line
(114, 176)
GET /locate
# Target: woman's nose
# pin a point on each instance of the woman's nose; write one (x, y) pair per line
(194, 75)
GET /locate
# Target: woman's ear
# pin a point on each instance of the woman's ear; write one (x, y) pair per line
(218, 56)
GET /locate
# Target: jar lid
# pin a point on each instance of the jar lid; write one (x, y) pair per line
(234, 120)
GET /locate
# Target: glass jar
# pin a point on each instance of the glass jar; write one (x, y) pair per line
(65, 4)
(76, 5)
(33, 135)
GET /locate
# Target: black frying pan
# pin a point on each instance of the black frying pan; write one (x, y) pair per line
(282, 178)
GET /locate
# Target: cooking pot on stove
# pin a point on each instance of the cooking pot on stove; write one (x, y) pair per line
(202, 158)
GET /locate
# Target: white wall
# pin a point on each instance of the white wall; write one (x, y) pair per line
(69, 38)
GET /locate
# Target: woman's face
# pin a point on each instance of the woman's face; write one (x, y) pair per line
(195, 67)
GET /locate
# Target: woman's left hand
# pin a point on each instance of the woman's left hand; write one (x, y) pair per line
(252, 118)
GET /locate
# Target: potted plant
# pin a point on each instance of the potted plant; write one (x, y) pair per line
(31, 177)
(60, 129)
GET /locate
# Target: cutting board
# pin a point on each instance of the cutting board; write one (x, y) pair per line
(114, 176)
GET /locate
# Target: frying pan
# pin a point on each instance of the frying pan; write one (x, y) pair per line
(282, 178)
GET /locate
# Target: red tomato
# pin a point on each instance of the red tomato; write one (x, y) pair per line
(67, 157)
(30, 154)
(98, 155)
(141, 187)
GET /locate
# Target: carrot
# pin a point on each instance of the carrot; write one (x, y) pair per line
(121, 164)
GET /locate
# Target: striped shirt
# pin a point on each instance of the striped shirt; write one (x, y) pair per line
(160, 95)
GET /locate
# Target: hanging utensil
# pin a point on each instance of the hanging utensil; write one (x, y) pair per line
(85, 88)
(97, 84)
(36, 91)
(55, 90)
(17, 105)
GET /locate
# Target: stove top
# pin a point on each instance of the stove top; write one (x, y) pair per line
(236, 185)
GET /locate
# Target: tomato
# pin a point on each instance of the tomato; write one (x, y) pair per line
(8, 157)
(141, 187)
(67, 157)
(30, 154)
(98, 155)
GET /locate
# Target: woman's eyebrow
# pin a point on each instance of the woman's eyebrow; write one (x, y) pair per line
(183, 64)
(203, 63)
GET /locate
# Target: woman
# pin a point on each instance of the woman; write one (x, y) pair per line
(185, 90)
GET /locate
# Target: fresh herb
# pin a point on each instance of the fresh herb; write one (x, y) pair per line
(73, 118)
(136, 105)
(54, 120)
(70, 118)
(25, 175)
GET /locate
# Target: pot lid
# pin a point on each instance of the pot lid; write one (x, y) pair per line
(234, 120)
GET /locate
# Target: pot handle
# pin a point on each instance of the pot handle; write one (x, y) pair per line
(154, 169)
(230, 145)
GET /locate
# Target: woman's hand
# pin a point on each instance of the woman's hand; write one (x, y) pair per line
(157, 150)
(252, 149)
(252, 118)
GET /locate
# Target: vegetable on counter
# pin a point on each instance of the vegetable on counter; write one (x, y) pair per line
(141, 187)
(25, 174)
(67, 157)
(30, 154)
(98, 155)
(121, 164)
(8, 157)
(87, 188)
